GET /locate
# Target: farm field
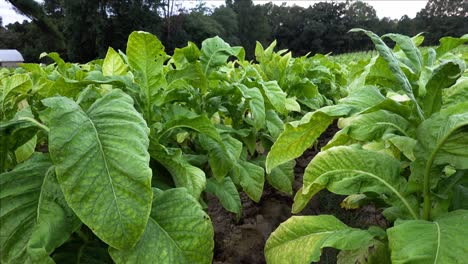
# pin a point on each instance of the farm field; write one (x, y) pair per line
(206, 157)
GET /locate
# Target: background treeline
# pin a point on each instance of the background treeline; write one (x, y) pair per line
(82, 30)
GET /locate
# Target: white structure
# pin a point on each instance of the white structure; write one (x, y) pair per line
(10, 58)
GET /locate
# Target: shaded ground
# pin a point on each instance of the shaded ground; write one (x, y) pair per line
(243, 242)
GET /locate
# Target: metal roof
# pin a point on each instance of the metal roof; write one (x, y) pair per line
(7, 55)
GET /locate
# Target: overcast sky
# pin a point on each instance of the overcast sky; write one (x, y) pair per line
(385, 8)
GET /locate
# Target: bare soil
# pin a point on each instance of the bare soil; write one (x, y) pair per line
(244, 241)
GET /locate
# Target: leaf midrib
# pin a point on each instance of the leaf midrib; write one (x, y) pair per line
(101, 150)
(438, 242)
(388, 185)
(170, 237)
(305, 236)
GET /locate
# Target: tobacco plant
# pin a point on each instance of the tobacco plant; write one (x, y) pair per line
(109, 161)
(402, 146)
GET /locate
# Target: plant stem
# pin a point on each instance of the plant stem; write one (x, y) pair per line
(426, 192)
(34, 121)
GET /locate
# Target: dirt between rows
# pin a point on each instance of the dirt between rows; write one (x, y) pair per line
(243, 242)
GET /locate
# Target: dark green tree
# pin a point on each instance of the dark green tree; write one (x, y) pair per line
(227, 19)
(253, 24)
(443, 18)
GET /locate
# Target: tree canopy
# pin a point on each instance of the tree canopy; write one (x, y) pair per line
(82, 30)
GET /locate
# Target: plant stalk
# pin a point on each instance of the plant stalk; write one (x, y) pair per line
(35, 122)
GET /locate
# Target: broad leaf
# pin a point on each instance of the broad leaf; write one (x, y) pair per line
(300, 135)
(183, 173)
(227, 194)
(440, 241)
(179, 231)
(26, 150)
(376, 253)
(215, 52)
(442, 139)
(370, 126)
(250, 177)
(274, 124)
(301, 238)
(276, 96)
(113, 64)
(222, 157)
(443, 76)
(146, 56)
(102, 164)
(55, 221)
(282, 177)
(256, 106)
(387, 54)
(458, 93)
(14, 134)
(34, 215)
(186, 55)
(12, 90)
(449, 43)
(407, 45)
(350, 170)
(199, 123)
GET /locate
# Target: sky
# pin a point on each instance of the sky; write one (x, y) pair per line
(384, 8)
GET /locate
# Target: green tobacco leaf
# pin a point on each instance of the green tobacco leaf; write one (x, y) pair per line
(179, 231)
(443, 76)
(300, 135)
(14, 134)
(186, 55)
(19, 200)
(412, 52)
(282, 177)
(387, 54)
(440, 241)
(201, 124)
(13, 89)
(146, 56)
(256, 105)
(183, 173)
(222, 157)
(113, 64)
(371, 126)
(405, 144)
(458, 93)
(274, 123)
(26, 150)
(227, 194)
(449, 43)
(215, 52)
(250, 177)
(143, 49)
(301, 238)
(55, 221)
(275, 96)
(442, 139)
(350, 170)
(34, 215)
(191, 74)
(292, 105)
(376, 253)
(102, 164)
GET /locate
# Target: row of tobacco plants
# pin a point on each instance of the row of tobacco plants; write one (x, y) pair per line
(402, 146)
(110, 161)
